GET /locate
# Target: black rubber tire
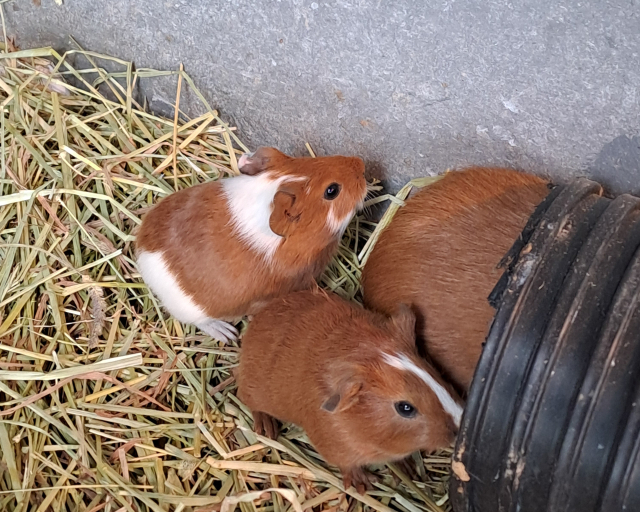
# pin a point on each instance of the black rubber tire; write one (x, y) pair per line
(550, 423)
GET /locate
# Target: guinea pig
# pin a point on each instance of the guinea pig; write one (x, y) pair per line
(440, 255)
(353, 379)
(217, 251)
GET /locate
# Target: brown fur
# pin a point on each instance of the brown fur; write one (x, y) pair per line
(440, 254)
(312, 349)
(219, 271)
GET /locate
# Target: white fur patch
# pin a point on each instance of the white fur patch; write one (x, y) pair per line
(336, 225)
(250, 200)
(156, 274)
(450, 406)
(163, 284)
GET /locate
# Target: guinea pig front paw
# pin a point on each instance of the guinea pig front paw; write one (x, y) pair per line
(357, 477)
(265, 425)
(219, 330)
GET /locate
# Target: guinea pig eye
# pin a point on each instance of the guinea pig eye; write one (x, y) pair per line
(405, 409)
(332, 191)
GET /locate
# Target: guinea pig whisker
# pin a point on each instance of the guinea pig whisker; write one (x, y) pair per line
(367, 209)
(370, 195)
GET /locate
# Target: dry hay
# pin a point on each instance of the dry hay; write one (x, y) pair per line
(106, 403)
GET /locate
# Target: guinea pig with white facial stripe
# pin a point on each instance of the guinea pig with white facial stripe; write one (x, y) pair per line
(352, 378)
(216, 252)
(440, 255)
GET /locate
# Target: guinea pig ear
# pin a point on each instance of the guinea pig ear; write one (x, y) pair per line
(287, 208)
(344, 386)
(258, 161)
(404, 322)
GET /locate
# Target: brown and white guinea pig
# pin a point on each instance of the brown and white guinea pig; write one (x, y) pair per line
(215, 252)
(353, 379)
(440, 255)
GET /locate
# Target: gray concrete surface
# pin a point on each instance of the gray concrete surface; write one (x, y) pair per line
(414, 87)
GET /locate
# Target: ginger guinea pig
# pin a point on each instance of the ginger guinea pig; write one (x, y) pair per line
(353, 379)
(440, 255)
(217, 251)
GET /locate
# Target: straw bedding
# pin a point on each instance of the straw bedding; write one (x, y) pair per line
(107, 403)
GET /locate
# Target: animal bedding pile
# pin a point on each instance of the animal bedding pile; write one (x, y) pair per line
(107, 403)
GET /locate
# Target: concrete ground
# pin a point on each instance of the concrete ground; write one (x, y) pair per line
(414, 87)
